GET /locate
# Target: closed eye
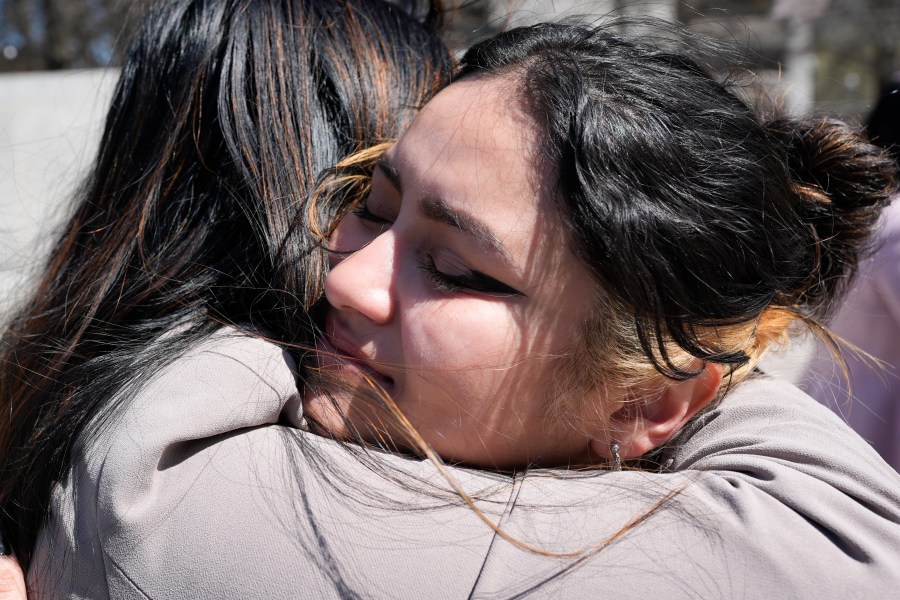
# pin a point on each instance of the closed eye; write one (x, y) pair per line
(362, 211)
(471, 280)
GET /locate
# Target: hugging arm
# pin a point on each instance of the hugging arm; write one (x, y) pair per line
(197, 488)
(768, 492)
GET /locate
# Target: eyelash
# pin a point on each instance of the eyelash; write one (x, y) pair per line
(472, 280)
(362, 211)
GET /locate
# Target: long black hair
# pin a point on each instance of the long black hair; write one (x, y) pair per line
(224, 114)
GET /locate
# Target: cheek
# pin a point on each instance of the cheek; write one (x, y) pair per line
(483, 355)
(462, 333)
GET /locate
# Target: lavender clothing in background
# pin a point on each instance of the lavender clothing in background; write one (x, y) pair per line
(870, 320)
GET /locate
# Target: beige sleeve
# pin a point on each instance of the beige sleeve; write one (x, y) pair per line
(195, 491)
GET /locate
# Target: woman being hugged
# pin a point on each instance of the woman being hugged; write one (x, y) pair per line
(577, 256)
(599, 234)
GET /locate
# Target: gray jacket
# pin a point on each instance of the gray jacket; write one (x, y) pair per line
(195, 491)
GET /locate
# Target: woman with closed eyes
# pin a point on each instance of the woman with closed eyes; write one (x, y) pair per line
(574, 257)
(581, 244)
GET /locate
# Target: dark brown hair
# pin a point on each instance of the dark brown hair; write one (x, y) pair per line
(224, 114)
(708, 228)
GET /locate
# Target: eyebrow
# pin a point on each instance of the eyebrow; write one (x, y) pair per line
(436, 209)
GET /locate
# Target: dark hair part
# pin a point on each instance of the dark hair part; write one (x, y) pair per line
(705, 225)
(224, 114)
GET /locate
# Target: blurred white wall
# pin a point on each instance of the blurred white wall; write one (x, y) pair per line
(50, 123)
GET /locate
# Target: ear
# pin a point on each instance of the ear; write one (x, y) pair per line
(647, 423)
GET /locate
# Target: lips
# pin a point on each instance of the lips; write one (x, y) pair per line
(337, 351)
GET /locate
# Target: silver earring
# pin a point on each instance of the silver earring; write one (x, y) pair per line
(617, 460)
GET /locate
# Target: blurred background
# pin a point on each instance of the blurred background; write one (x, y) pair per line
(58, 59)
(829, 55)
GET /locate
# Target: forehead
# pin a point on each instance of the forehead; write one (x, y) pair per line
(489, 108)
(474, 145)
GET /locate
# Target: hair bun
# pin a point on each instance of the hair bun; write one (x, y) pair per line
(841, 182)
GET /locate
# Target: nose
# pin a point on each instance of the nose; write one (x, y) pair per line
(362, 281)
